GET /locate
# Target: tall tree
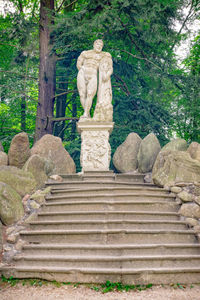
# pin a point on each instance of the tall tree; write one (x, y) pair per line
(47, 70)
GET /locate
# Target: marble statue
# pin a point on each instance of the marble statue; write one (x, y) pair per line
(95, 66)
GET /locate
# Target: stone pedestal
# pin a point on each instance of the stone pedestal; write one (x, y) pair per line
(95, 147)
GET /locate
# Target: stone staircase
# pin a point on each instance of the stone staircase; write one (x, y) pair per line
(105, 226)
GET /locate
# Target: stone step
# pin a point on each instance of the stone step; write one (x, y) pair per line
(130, 177)
(104, 176)
(88, 205)
(98, 275)
(104, 224)
(107, 215)
(116, 250)
(124, 262)
(114, 236)
(112, 190)
(105, 196)
(91, 184)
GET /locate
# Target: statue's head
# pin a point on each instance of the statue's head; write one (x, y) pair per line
(98, 45)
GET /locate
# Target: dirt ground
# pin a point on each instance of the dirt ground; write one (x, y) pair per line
(81, 292)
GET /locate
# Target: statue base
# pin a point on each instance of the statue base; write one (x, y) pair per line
(95, 147)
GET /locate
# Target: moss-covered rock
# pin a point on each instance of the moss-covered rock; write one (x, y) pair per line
(125, 157)
(36, 165)
(51, 148)
(11, 208)
(19, 150)
(21, 181)
(176, 145)
(148, 151)
(3, 159)
(194, 150)
(172, 167)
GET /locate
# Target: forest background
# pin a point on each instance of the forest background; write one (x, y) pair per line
(153, 91)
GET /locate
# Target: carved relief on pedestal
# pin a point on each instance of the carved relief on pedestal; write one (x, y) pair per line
(95, 150)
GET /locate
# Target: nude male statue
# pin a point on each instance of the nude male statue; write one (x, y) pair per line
(88, 66)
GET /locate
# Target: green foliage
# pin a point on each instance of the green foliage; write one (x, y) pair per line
(118, 286)
(151, 93)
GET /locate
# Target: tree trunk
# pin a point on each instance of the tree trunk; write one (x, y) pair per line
(60, 110)
(23, 113)
(47, 68)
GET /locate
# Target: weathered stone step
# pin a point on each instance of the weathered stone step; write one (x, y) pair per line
(127, 261)
(104, 176)
(92, 184)
(99, 275)
(123, 249)
(114, 197)
(114, 236)
(88, 205)
(104, 224)
(107, 215)
(112, 190)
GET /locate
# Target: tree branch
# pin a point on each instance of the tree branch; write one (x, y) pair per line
(183, 25)
(5, 44)
(124, 84)
(20, 75)
(69, 92)
(135, 56)
(59, 8)
(132, 40)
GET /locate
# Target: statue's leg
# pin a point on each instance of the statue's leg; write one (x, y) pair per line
(81, 85)
(91, 91)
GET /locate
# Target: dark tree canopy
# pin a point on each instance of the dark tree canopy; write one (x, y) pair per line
(152, 92)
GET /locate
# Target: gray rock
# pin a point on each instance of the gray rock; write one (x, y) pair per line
(21, 181)
(19, 150)
(11, 208)
(51, 148)
(191, 222)
(185, 196)
(56, 178)
(1, 147)
(194, 150)
(176, 189)
(173, 167)
(197, 199)
(176, 145)
(1, 237)
(197, 228)
(12, 238)
(36, 165)
(191, 210)
(3, 159)
(19, 245)
(148, 151)
(125, 157)
(39, 196)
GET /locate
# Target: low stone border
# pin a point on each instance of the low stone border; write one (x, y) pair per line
(188, 196)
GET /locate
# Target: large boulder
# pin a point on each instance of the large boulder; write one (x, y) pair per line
(36, 165)
(1, 147)
(172, 167)
(176, 145)
(194, 150)
(3, 159)
(11, 208)
(148, 151)
(1, 238)
(190, 210)
(19, 150)
(125, 157)
(51, 148)
(21, 181)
